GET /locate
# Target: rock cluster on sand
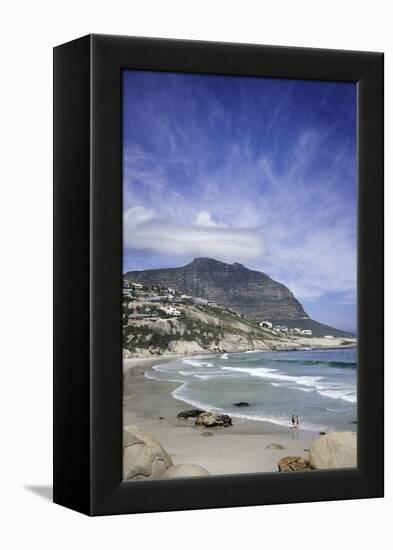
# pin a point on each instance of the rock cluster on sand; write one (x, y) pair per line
(211, 420)
(207, 419)
(292, 464)
(144, 457)
(191, 413)
(334, 450)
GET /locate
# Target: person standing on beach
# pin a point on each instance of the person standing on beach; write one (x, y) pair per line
(297, 421)
(293, 421)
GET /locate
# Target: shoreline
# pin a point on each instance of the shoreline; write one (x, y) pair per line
(242, 448)
(165, 356)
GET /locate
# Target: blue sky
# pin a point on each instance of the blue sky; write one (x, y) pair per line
(251, 170)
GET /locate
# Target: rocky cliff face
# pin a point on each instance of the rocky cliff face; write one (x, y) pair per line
(250, 292)
(200, 330)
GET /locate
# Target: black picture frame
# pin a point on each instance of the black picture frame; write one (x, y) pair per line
(88, 274)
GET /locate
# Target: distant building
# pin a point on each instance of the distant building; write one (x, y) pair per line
(186, 299)
(266, 324)
(281, 328)
(137, 286)
(157, 298)
(201, 301)
(328, 336)
(212, 304)
(307, 332)
(170, 310)
(126, 283)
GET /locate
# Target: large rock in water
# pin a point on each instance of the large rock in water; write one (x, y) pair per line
(143, 456)
(334, 450)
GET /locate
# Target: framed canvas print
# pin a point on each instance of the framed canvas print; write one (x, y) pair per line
(218, 275)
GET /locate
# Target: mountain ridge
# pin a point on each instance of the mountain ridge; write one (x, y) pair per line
(251, 293)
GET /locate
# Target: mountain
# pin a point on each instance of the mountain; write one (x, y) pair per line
(251, 293)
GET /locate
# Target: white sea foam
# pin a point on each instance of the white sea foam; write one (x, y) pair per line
(311, 383)
(273, 374)
(196, 363)
(180, 394)
(200, 385)
(345, 394)
(213, 376)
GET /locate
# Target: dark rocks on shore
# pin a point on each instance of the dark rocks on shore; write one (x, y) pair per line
(242, 404)
(210, 420)
(293, 464)
(192, 413)
(322, 433)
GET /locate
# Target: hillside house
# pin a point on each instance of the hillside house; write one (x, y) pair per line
(186, 299)
(157, 298)
(266, 324)
(137, 285)
(307, 332)
(201, 301)
(170, 310)
(281, 328)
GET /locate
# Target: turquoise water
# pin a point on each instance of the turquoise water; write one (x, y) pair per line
(317, 385)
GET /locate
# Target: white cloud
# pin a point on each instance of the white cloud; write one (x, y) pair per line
(137, 215)
(143, 230)
(204, 219)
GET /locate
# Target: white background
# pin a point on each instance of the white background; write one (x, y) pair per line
(28, 31)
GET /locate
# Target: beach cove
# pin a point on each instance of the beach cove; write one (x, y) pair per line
(241, 448)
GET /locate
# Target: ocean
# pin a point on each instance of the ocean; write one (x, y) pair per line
(317, 385)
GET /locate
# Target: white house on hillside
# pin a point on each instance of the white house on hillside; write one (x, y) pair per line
(170, 310)
(266, 324)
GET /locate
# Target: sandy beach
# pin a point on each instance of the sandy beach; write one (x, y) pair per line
(241, 448)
